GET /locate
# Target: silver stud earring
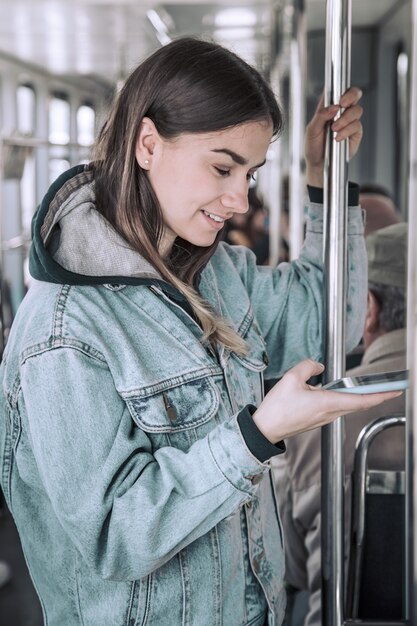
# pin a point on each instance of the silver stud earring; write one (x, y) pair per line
(146, 162)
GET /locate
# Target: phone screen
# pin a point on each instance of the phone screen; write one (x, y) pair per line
(371, 383)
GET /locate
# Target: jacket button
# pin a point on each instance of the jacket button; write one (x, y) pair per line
(172, 413)
(170, 409)
(265, 358)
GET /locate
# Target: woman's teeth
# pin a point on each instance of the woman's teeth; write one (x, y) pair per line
(216, 218)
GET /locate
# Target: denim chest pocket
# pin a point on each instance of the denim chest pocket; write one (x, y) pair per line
(257, 357)
(246, 372)
(177, 415)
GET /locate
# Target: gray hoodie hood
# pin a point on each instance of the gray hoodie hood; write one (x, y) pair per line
(74, 244)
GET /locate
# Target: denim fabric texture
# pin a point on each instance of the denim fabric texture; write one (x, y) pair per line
(136, 498)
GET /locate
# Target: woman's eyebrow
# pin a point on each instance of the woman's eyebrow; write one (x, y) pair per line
(237, 158)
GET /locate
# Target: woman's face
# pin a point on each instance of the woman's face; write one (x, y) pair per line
(201, 179)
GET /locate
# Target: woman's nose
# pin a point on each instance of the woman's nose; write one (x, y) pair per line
(236, 200)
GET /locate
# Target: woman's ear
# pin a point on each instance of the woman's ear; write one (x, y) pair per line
(146, 141)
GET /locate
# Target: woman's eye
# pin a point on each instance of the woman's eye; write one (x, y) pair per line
(222, 172)
(251, 176)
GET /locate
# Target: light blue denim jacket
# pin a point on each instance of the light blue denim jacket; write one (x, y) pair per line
(136, 497)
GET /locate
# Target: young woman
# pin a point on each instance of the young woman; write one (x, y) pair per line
(135, 442)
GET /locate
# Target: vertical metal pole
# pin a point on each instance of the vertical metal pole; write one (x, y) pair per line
(274, 156)
(42, 131)
(289, 64)
(297, 127)
(411, 422)
(274, 203)
(337, 77)
(12, 266)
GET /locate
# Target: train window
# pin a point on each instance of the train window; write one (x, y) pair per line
(28, 206)
(26, 107)
(59, 120)
(28, 191)
(59, 134)
(26, 115)
(86, 119)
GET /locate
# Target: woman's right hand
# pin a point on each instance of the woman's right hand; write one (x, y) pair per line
(292, 406)
(346, 126)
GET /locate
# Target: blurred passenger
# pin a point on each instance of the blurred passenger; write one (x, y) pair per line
(379, 207)
(380, 211)
(298, 472)
(284, 227)
(250, 229)
(135, 442)
(5, 575)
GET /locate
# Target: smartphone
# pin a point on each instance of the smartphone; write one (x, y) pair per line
(371, 383)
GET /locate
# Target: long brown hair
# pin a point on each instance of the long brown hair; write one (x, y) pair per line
(187, 86)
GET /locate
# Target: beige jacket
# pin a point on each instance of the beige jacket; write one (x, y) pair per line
(297, 473)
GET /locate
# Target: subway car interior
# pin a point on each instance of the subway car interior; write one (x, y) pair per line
(62, 62)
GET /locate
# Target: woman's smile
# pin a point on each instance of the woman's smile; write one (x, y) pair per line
(214, 220)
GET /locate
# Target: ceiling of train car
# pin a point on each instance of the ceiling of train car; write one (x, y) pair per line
(104, 39)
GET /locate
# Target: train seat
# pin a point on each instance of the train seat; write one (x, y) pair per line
(376, 573)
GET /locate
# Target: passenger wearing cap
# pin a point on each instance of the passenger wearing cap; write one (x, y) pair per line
(298, 472)
(379, 207)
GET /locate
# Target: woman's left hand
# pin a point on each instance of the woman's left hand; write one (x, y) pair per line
(347, 125)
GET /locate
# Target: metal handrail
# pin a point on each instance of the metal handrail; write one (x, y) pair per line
(337, 77)
(411, 406)
(27, 141)
(365, 439)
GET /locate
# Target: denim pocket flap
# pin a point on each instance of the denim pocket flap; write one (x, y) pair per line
(177, 408)
(257, 357)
